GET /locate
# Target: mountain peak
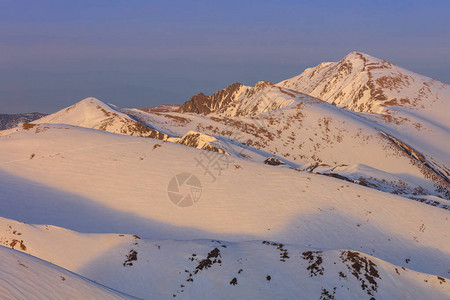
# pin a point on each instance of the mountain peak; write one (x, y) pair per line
(93, 113)
(90, 100)
(363, 83)
(355, 55)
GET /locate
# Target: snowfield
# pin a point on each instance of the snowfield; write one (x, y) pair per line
(25, 277)
(359, 209)
(216, 269)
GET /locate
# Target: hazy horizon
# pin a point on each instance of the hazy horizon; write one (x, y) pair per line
(146, 54)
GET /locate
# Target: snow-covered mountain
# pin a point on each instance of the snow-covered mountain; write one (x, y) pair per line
(363, 83)
(177, 201)
(414, 107)
(240, 100)
(92, 113)
(313, 135)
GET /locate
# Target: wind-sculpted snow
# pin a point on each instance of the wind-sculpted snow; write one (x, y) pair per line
(25, 277)
(129, 195)
(215, 269)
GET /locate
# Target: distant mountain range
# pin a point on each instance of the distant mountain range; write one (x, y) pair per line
(333, 184)
(12, 120)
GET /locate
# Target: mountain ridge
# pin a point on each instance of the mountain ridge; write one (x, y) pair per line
(8, 121)
(179, 201)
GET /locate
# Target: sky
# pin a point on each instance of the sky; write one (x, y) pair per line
(136, 53)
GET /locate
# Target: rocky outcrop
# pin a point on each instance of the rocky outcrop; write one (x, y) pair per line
(200, 141)
(203, 105)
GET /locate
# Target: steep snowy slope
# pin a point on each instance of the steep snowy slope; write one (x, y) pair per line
(263, 97)
(25, 277)
(92, 113)
(240, 100)
(221, 270)
(413, 107)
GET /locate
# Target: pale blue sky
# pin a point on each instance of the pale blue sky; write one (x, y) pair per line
(144, 53)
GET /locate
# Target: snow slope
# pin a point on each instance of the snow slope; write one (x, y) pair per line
(96, 182)
(307, 133)
(25, 277)
(411, 106)
(206, 269)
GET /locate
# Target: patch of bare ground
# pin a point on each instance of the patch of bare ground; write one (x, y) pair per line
(28, 126)
(131, 256)
(315, 260)
(363, 269)
(393, 82)
(178, 119)
(14, 242)
(431, 202)
(327, 295)
(284, 254)
(212, 258)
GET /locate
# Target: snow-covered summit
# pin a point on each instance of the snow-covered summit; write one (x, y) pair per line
(93, 113)
(363, 83)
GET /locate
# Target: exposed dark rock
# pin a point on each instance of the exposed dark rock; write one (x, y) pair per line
(273, 161)
(203, 105)
(132, 256)
(233, 281)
